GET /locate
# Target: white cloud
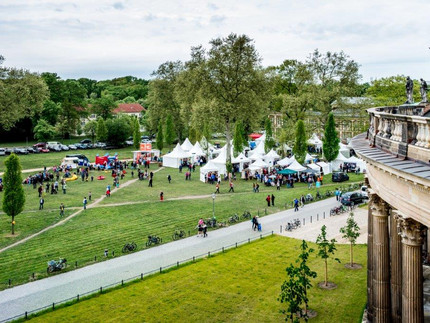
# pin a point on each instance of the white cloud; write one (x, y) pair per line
(104, 39)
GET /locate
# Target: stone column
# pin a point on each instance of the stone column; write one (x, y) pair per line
(396, 267)
(372, 197)
(412, 234)
(381, 262)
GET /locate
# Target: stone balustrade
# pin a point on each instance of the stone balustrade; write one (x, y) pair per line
(403, 131)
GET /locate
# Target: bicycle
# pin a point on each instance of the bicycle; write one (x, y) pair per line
(222, 224)
(233, 219)
(246, 215)
(211, 222)
(153, 240)
(179, 234)
(129, 247)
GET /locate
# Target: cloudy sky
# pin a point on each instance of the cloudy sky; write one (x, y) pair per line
(105, 39)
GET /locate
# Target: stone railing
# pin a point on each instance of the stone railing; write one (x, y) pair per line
(403, 130)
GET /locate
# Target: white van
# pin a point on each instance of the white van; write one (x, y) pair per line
(71, 162)
(54, 145)
(2, 151)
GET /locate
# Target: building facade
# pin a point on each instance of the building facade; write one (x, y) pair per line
(396, 149)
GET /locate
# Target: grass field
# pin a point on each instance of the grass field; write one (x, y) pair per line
(241, 285)
(88, 234)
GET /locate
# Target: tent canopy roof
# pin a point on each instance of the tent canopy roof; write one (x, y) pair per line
(187, 145)
(296, 166)
(197, 150)
(209, 167)
(178, 152)
(272, 154)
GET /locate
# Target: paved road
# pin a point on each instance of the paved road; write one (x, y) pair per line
(30, 296)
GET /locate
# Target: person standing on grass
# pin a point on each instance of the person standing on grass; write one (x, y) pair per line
(161, 196)
(89, 195)
(257, 188)
(273, 200)
(169, 178)
(40, 190)
(278, 185)
(84, 202)
(41, 202)
(64, 187)
(217, 188)
(150, 181)
(302, 200)
(268, 200)
(253, 187)
(61, 210)
(231, 187)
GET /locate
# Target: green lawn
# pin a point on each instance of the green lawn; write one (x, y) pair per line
(87, 235)
(241, 285)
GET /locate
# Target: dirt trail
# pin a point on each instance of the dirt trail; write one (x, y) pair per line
(90, 206)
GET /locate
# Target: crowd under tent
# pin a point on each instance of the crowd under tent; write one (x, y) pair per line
(340, 159)
(208, 168)
(258, 165)
(325, 167)
(242, 160)
(187, 145)
(146, 152)
(271, 158)
(296, 166)
(175, 158)
(359, 162)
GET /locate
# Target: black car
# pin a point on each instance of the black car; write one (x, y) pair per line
(352, 198)
(339, 177)
(20, 151)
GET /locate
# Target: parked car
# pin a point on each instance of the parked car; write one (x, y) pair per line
(44, 150)
(8, 151)
(80, 146)
(100, 145)
(145, 137)
(72, 147)
(339, 177)
(40, 145)
(2, 152)
(352, 198)
(53, 145)
(85, 141)
(364, 191)
(129, 142)
(20, 151)
(32, 150)
(55, 148)
(64, 147)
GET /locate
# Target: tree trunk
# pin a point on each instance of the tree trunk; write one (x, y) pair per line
(13, 224)
(326, 273)
(350, 248)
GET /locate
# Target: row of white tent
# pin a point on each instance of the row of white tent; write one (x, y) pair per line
(181, 152)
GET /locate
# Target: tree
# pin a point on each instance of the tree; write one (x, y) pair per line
(118, 130)
(101, 130)
(292, 293)
(305, 273)
(229, 84)
(238, 138)
(104, 106)
(159, 140)
(270, 142)
(43, 131)
(170, 131)
(90, 129)
(51, 111)
(136, 134)
(300, 145)
(331, 139)
(351, 232)
(325, 249)
(22, 94)
(13, 196)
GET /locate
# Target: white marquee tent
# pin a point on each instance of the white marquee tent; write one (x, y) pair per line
(295, 166)
(258, 164)
(209, 167)
(344, 149)
(187, 145)
(314, 140)
(359, 162)
(241, 160)
(325, 167)
(258, 152)
(340, 159)
(271, 158)
(308, 158)
(315, 167)
(175, 158)
(197, 151)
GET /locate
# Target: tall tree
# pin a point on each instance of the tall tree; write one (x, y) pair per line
(104, 106)
(136, 134)
(90, 129)
(118, 130)
(351, 232)
(101, 130)
(300, 145)
(43, 131)
(238, 138)
(331, 139)
(13, 196)
(51, 111)
(231, 84)
(270, 142)
(170, 132)
(159, 139)
(325, 249)
(305, 274)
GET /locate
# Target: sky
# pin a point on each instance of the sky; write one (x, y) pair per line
(101, 39)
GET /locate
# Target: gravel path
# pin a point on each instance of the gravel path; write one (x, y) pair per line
(17, 300)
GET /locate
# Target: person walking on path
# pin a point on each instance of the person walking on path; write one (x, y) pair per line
(150, 182)
(200, 227)
(268, 200)
(161, 196)
(217, 188)
(41, 202)
(273, 200)
(231, 187)
(336, 193)
(205, 230)
(302, 200)
(296, 205)
(84, 202)
(254, 223)
(61, 209)
(257, 188)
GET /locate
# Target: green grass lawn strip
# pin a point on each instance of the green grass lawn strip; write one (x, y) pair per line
(241, 285)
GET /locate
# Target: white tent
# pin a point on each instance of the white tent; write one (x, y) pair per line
(340, 159)
(359, 162)
(314, 140)
(271, 157)
(209, 167)
(197, 150)
(344, 149)
(260, 139)
(325, 167)
(308, 157)
(296, 166)
(287, 148)
(241, 160)
(284, 162)
(174, 158)
(315, 167)
(258, 164)
(258, 152)
(187, 145)
(220, 161)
